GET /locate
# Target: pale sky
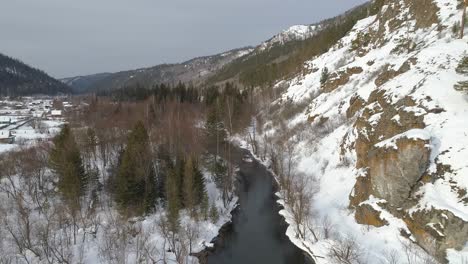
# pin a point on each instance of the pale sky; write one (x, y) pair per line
(78, 37)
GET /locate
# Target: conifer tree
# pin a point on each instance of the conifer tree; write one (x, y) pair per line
(205, 206)
(463, 21)
(199, 184)
(214, 126)
(324, 76)
(136, 179)
(214, 214)
(194, 186)
(190, 193)
(173, 201)
(179, 172)
(66, 162)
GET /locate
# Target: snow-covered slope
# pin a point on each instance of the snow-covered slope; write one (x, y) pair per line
(297, 32)
(380, 147)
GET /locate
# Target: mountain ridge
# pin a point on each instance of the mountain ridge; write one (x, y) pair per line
(195, 70)
(17, 79)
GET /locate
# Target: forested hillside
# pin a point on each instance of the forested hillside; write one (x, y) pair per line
(17, 78)
(82, 84)
(194, 71)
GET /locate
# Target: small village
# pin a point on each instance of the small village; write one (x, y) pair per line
(26, 120)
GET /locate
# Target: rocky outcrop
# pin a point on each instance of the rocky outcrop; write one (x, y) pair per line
(339, 78)
(437, 230)
(424, 12)
(393, 166)
(367, 215)
(388, 73)
(356, 103)
(388, 120)
(395, 172)
(388, 173)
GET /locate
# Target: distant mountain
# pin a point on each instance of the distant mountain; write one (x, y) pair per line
(281, 56)
(196, 71)
(17, 78)
(81, 84)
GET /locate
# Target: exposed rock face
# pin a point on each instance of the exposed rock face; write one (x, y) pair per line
(367, 215)
(394, 172)
(355, 104)
(388, 73)
(389, 173)
(424, 11)
(339, 78)
(438, 230)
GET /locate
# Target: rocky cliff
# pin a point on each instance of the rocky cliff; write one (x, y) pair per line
(382, 139)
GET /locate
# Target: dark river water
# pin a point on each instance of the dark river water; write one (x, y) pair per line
(258, 231)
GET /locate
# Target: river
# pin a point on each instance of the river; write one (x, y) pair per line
(257, 233)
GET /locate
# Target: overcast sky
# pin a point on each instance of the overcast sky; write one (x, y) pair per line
(76, 37)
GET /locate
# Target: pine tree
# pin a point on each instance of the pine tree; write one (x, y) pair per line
(463, 21)
(220, 173)
(214, 126)
(65, 161)
(214, 214)
(179, 178)
(205, 206)
(324, 76)
(189, 189)
(136, 180)
(216, 134)
(173, 201)
(199, 184)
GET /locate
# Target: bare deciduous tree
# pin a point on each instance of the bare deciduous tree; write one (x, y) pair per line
(346, 251)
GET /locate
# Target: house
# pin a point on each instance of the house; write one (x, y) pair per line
(5, 120)
(56, 113)
(6, 137)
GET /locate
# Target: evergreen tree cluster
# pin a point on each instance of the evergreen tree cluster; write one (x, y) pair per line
(185, 189)
(141, 180)
(161, 93)
(179, 183)
(135, 184)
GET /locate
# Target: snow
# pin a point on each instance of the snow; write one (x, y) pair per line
(107, 229)
(413, 134)
(429, 83)
(439, 195)
(296, 32)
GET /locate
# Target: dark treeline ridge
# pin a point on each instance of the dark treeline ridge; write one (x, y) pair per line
(19, 79)
(181, 92)
(283, 60)
(161, 92)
